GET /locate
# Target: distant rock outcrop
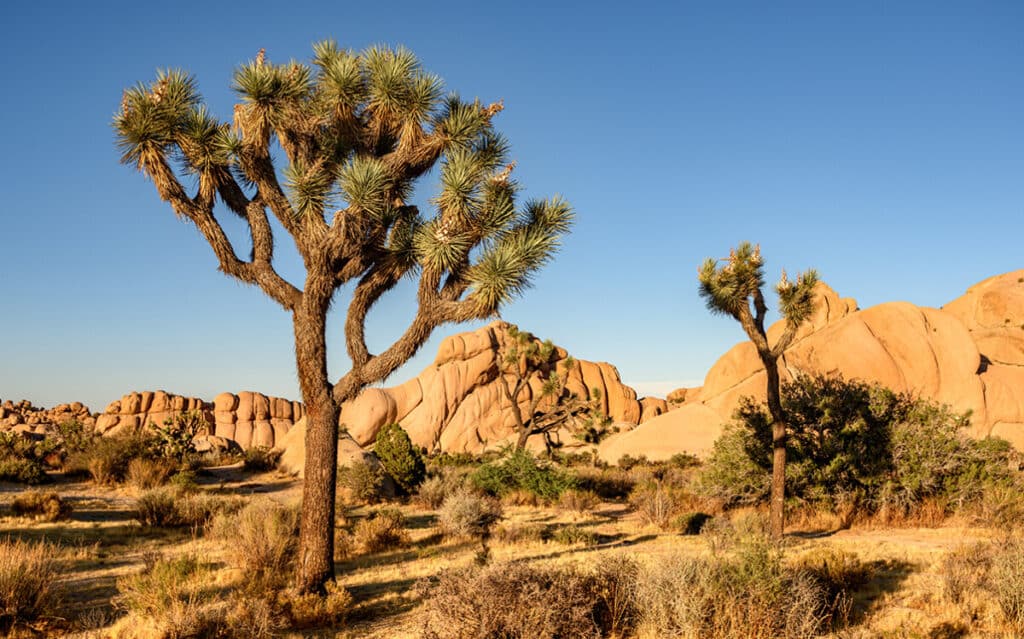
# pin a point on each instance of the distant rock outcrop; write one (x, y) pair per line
(456, 403)
(969, 355)
(22, 416)
(249, 419)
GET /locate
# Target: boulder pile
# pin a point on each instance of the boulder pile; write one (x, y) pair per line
(22, 416)
(969, 355)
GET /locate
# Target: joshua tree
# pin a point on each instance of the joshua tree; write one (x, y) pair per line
(734, 289)
(551, 406)
(353, 133)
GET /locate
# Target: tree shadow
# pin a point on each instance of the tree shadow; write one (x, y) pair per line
(886, 577)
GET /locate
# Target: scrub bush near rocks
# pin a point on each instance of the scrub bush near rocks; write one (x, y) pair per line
(399, 458)
(520, 470)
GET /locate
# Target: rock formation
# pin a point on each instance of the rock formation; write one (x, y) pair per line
(249, 419)
(456, 403)
(24, 417)
(969, 355)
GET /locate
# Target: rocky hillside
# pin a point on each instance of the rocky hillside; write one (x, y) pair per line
(968, 354)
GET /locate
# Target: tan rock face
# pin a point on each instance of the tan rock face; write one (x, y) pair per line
(456, 404)
(247, 419)
(24, 417)
(969, 355)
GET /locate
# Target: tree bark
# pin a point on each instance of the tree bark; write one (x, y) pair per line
(316, 538)
(777, 514)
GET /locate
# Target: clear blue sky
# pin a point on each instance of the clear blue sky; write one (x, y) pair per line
(880, 142)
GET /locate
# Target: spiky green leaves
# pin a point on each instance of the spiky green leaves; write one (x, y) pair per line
(505, 268)
(267, 84)
(152, 117)
(309, 187)
(366, 183)
(796, 299)
(729, 287)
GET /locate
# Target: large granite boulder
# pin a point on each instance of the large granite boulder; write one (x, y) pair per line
(969, 355)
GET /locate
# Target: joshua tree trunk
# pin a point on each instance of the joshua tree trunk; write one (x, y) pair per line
(316, 565)
(776, 517)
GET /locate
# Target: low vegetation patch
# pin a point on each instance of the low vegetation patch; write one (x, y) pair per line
(382, 530)
(518, 470)
(45, 506)
(29, 586)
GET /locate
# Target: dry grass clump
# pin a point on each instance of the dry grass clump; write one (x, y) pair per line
(382, 530)
(750, 596)
(974, 577)
(612, 484)
(572, 535)
(522, 533)
(144, 473)
(472, 515)
(521, 600)
(28, 582)
(261, 459)
(434, 489)
(45, 506)
(579, 501)
(261, 539)
(172, 506)
(166, 595)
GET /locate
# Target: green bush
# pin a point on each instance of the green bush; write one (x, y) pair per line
(361, 482)
(851, 442)
(24, 459)
(174, 440)
(519, 470)
(108, 458)
(400, 459)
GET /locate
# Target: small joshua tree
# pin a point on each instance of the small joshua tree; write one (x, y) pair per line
(525, 358)
(734, 288)
(350, 135)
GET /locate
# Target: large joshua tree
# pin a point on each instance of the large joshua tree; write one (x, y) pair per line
(353, 133)
(733, 287)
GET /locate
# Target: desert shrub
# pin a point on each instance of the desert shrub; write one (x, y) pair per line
(434, 489)
(748, 596)
(512, 600)
(468, 514)
(47, 506)
(184, 480)
(839, 574)
(606, 483)
(361, 482)
(159, 508)
(571, 535)
(261, 459)
(261, 539)
(23, 459)
(400, 459)
(522, 533)
(1007, 582)
(28, 582)
(145, 473)
(965, 570)
(107, 459)
(171, 506)
(74, 436)
(520, 470)
(854, 443)
(252, 617)
(579, 501)
(167, 593)
(628, 462)
(382, 530)
(658, 502)
(314, 610)
(173, 440)
(691, 523)
(23, 471)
